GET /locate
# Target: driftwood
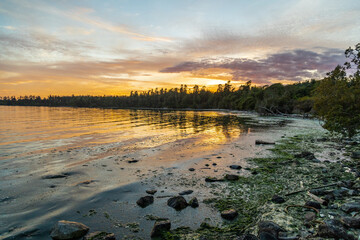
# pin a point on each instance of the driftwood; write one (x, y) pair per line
(316, 198)
(304, 190)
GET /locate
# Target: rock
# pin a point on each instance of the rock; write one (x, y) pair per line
(186, 192)
(68, 230)
(306, 155)
(132, 161)
(160, 227)
(152, 191)
(214, 164)
(194, 202)
(333, 229)
(178, 203)
(310, 216)
(236, 167)
(231, 177)
(313, 204)
(206, 165)
(320, 192)
(267, 236)
(351, 207)
(100, 236)
(270, 228)
(277, 199)
(191, 169)
(145, 201)
(261, 142)
(355, 155)
(229, 214)
(211, 179)
(351, 222)
(54, 176)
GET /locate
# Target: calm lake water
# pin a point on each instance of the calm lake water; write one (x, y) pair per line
(100, 150)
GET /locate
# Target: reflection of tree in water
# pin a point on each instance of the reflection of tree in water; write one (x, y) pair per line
(192, 121)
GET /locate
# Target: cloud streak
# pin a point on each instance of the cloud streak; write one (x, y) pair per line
(293, 65)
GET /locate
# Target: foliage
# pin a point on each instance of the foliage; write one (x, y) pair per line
(337, 100)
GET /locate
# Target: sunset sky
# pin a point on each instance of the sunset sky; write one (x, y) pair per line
(112, 47)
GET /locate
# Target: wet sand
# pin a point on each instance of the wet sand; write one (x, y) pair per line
(100, 183)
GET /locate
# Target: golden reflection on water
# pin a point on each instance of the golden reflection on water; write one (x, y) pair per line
(36, 128)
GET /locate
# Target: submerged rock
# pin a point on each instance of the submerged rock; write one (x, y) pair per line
(231, 177)
(194, 203)
(145, 201)
(355, 155)
(351, 222)
(310, 216)
(191, 169)
(229, 214)
(212, 179)
(160, 227)
(320, 192)
(333, 229)
(351, 207)
(64, 230)
(248, 237)
(100, 236)
(313, 204)
(186, 192)
(236, 167)
(54, 176)
(307, 155)
(261, 142)
(267, 236)
(178, 203)
(132, 161)
(271, 228)
(277, 199)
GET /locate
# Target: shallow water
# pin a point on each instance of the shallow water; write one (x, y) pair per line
(93, 148)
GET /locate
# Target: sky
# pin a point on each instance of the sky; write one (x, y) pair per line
(89, 47)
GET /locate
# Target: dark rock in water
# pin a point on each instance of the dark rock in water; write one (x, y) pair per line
(254, 172)
(64, 230)
(261, 142)
(151, 191)
(214, 164)
(351, 222)
(178, 203)
(186, 192)
(206, 165)
(132, 161)
(313, 204)
(236, 167)
(145, 201)
(194, 203)
(231, 177)
(191, 169)
(355, 155)
(347, 184)
(54, 176)
(310, 216)
(160, 227)
(267, 236)
(229, 214)
(271, 228)
(248, 237)
(306, 155)
(100, 236)
(277, 199)
(351, 207)
(333, 229)
(211, 179)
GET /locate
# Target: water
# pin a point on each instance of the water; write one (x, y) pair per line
(93, 148)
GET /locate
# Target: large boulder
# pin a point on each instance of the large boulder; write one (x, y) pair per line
(64, 230)
(177, 202)
(145, 201)
(160, 227)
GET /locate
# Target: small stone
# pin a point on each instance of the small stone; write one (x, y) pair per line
(310, 216)
(214, 164)
(231, 177)
(194, 203)
(100, 236)
(186, 192)
(145, 201)
(261, 142)
(132, 161)
(191, 169)
(229, 214)
(313, 204)
(160, 227)
(277, 199)
(319, 192)
(64, 230)
(271, 228)
(355, 155)
(307, 155)
(206, 165)
(151, 191)
(351, 222)
(178, 203)
(212, 179)
(351, 207)
(54, 176)
(236, 167)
